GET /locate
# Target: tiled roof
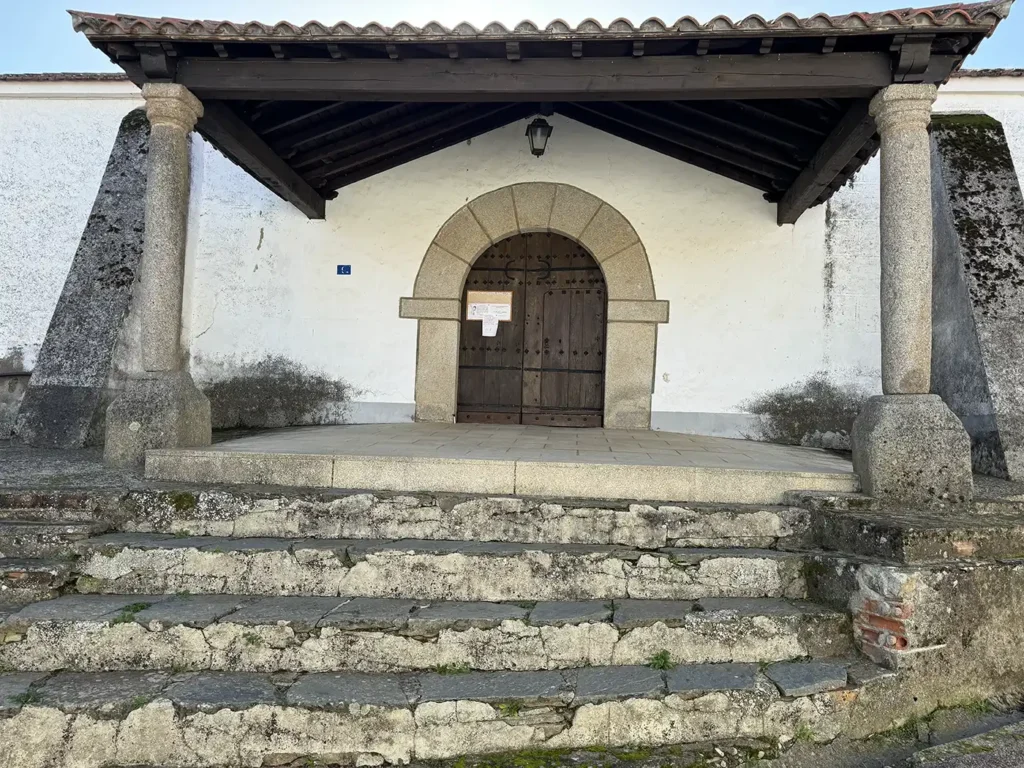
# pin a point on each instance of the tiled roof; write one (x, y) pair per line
(974, 15)
(1004, 72)
(63, 77)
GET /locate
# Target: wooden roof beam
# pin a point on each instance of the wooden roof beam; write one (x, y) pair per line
(641, 78)
(854, 129)
(670, 133)
(425, 148)
(671, 149)
(382, 149)
(239, 142)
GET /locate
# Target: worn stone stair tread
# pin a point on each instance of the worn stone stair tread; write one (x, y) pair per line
(44, 538)
(110, 692)
(308, 634)
(432, 570)
(161, 718)
(357, 549)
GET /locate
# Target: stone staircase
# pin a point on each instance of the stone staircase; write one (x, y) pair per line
(173, 628)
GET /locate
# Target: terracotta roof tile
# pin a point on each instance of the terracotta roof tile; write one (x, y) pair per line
(975, 15)
(62, 77)
(1004, 72)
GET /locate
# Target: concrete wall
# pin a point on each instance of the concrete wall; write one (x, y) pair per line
(755, 307)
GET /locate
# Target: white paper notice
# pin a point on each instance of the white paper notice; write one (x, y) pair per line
(490, 325)
(482, 310)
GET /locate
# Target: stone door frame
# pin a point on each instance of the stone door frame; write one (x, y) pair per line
(634, 311)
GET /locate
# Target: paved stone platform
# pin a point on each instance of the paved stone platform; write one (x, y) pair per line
(523, 460)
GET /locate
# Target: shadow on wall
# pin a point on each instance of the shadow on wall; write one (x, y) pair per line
(274, 392)
(815, 413)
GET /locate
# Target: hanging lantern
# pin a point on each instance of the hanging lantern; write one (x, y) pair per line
(538, 132)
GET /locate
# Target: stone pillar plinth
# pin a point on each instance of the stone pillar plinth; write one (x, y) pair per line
(160, 406)
(908, 446)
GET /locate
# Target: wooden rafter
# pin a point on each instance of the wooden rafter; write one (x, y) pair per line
(479, 115)
(670, 133)
(233, 136)
(854, 129)
(631, 133)
(472, 130)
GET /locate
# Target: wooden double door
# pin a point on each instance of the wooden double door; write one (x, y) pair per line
(546, 365)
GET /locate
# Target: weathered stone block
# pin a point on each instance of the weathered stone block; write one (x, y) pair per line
(978, 293)
(912, 449)
(70, 388)
(163, 411)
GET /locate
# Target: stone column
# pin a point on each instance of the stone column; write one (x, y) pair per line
(908, 446)
(160, 406)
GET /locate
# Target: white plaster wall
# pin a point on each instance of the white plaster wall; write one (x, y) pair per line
(754, 306)
(743, 291)
(54, 142)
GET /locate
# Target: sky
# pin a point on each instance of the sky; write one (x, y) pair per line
(37, 37)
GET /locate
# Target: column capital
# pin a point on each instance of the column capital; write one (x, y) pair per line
(171, 104)
(903, 105)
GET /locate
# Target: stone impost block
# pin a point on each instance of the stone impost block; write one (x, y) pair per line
(161, 411)
(429, 309)
(637, 311)
(912, 449)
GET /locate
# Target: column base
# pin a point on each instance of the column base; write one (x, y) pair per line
(164, 410)
(912, 449)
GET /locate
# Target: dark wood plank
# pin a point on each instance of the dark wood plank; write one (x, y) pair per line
(238, 141)
(549, 79)
(394, 141)
(747, 157)
(848, 137)
(449, 139)
(631, 133)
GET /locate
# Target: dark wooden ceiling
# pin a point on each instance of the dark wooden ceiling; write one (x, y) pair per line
(781, 106)
(763, 143)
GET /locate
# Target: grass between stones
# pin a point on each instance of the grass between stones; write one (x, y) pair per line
(128, 613)
(661, 660)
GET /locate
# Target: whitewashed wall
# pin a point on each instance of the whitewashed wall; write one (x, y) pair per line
(54, 142)
(754, 306)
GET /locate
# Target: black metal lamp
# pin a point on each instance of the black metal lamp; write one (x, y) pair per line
(538, 132)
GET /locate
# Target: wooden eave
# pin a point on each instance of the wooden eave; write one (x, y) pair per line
(780, 106)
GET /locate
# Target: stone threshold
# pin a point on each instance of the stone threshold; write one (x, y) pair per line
(624, 479)
(319, 634)
(430, 570)
(160, 718)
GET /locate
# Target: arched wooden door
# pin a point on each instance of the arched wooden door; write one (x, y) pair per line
(546, 365)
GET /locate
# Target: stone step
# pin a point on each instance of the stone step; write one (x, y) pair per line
(430, 570)
(291, 512)
(26, 580)
(209, 719)
(36, 538)
(326, 634)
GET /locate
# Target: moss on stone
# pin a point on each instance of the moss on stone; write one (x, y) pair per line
(182, 501)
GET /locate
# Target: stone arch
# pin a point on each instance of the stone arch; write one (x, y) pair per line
(634, 311)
